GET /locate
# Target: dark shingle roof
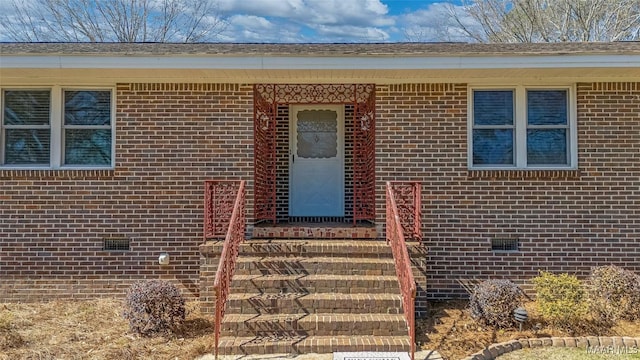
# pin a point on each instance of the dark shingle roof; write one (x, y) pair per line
(338, 50)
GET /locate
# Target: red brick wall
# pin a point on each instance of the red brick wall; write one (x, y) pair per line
(169, 139)
(566, 221)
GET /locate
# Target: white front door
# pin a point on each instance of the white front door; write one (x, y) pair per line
(316, 163)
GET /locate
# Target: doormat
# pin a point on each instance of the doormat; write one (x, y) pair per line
(371, 356)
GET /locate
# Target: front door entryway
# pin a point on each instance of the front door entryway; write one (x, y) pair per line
(338, 184)
(316, 162)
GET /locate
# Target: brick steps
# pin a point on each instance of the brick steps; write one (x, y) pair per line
(305, 265)
(323, 324)
(311, 344)
(314, 296)
(291, 303)
(280, 284)
(322, 248)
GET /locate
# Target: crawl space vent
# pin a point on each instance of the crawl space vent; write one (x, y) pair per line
(504, 245)
(120, 244)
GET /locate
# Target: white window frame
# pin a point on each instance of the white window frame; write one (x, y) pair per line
(521, 125)
(4, 127)
(56, 125)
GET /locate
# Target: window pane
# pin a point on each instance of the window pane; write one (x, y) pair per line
(87, 107)
(547, 107)
(493, 107)
(547, 147)
(27, 146)
(26, 107)
(87, 147)
(317, 134)
(493, 147)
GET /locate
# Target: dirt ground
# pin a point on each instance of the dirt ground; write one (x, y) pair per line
(95, 329)
(454, 334)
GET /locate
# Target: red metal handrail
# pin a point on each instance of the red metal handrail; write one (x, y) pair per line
(230, 249)
(407, 195)
(395, 237)
(219, 202)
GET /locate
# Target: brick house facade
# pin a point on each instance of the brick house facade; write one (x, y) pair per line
(182, 114)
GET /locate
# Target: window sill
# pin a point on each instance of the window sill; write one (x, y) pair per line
(61, 173)
(545, 174)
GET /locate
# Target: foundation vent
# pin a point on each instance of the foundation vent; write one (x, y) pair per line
(501, 245)
(115, 244)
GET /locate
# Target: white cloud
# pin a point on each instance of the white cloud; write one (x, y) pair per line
(340, 21)
(355, 13)
(362, 12)
(351, 20)
(351, 34)
(275, 8)
(250, 28)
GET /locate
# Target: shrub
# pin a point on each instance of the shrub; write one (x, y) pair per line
(614, 293)
(561, 299)
(493, 302)
(154, 306)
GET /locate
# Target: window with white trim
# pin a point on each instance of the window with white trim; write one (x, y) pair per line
(57, 128)
(87, 127)
(522, 128)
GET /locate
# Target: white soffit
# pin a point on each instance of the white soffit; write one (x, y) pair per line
(44, 76)
(318, 63)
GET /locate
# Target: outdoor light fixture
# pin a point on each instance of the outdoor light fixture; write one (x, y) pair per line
(163, 259)
(520, 315)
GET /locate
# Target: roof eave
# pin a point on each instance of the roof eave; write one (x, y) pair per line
(317, 63)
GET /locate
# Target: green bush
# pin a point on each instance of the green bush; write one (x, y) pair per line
(561, 299)
(493, 302)
(154, 306)
(614, 294)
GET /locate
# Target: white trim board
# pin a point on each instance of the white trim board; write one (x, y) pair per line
(319, 63)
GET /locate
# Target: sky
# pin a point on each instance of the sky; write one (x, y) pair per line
(328, 20)
(336, 20)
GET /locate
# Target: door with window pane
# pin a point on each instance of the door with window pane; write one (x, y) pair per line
(316, 172)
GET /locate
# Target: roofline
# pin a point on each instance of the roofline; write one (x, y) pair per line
(261, 62)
